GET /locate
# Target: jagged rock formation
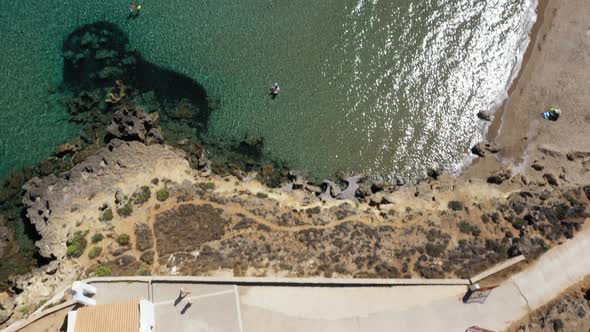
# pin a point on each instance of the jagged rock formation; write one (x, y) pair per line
(56, 203)
(134, 125)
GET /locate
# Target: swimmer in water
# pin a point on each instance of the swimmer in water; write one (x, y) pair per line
(275, 90)
(134, 10)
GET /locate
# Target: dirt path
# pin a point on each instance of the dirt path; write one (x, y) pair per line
(235, 209)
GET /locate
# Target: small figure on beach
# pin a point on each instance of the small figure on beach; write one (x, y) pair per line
(134, 10)
(552, 114)
(275, 90)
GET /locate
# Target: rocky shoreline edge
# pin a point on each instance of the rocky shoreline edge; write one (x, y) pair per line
(139, 206)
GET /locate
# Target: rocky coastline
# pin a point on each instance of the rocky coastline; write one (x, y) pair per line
(139, 206)
(142, 192)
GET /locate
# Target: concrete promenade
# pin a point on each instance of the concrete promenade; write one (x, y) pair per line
(265, 304)
(348, 305)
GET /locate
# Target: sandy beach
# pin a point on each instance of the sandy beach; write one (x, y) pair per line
(554, 74)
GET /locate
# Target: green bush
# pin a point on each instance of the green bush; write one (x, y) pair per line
(97, 237)
(519, 223)
(435, 250)
(162, 194)
(77, 245)
(125, 210)
(465, 227)
(106, 215)
(102, 271)
(455, 205)
(143, 271)
(141, 196)
(205, 185)
(94, 252)
(123, 239)
(24, 309)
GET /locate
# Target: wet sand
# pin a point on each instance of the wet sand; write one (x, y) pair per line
(554, 73)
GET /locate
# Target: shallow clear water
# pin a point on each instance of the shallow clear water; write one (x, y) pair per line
(380, 87)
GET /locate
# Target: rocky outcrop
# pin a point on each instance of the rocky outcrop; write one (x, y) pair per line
(38, 285)
(485, 115)
(500, 175)
(483, 148)
(133, 125)
(55, 204)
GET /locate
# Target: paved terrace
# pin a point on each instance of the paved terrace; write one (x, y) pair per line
(348, 305)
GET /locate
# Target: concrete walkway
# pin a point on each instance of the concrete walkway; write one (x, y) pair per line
(267, 304)
(263, 304)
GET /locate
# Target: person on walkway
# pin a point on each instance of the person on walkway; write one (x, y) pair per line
(184, 292)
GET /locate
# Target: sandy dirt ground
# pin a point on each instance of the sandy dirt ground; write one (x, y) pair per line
(555, 74)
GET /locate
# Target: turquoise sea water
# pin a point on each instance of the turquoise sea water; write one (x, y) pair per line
(379, 87)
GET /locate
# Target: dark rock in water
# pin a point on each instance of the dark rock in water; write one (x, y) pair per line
(185, 110)
(97, 54)
(434, 172)
(144, 238)
(550, 179)
(486, 116)
(482, 148)
(82, 103)
(129, 125)
(253, 140)
(500, 176)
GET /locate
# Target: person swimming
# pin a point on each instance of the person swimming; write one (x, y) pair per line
(134, 10)
(275, 89)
